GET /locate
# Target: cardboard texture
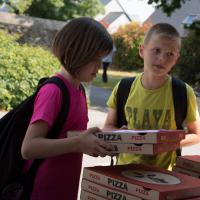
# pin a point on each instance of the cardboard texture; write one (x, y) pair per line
(191, 162)
(106, 192)
(137, 136)
(186, 172)
(85, 195)
(144, 181)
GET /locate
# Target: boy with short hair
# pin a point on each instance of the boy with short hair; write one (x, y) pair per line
(150, 101)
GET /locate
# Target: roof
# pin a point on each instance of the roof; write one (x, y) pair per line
(111, 17)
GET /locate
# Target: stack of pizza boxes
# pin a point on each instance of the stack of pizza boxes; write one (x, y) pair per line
(140, 141)
(189, 165)
(143, 141)
(134, 182)
(137, 182)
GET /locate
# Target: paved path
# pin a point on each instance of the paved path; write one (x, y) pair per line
(98, 97)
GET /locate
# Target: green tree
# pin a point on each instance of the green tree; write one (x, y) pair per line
(49, 9)
(64, 9)
(90, 8)
(56, 9)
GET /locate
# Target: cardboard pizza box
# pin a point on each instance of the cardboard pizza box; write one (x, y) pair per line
(150, 149)
(144, 181)
(186, 171)
(137, 136)
(191, 162)
(85, 195)
(105, 191)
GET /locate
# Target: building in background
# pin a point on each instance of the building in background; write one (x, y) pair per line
(121, 12)
(115, 15)
(180, 18)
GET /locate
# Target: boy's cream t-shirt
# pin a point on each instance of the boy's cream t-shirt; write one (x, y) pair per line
(152, 109)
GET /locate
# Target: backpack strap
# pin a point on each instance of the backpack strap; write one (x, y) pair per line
(83, 89)
(58, 124)
(180, 104)
(180, 101)
(122, 96)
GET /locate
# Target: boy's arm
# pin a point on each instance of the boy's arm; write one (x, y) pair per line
(193, 136)
(192, 120)
(111, 120)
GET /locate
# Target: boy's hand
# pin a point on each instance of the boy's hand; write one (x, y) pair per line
(124, 127)
(93, 146)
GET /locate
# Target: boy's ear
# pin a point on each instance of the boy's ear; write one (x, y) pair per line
(141, 50)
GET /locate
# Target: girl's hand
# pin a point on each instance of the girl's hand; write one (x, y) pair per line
(93, 146)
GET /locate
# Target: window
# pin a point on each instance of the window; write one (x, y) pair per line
(189, 20)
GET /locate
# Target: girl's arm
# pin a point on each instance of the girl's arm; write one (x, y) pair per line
(36, 146)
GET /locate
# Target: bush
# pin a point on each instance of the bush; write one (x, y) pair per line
(21, 66)
(127, 40)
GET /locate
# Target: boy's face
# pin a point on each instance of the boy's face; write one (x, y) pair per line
(159, 54)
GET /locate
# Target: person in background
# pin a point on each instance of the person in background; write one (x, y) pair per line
(106, 62)
(150, 101)
(80, 54)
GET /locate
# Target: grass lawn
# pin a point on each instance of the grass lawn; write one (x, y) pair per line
(113, 78)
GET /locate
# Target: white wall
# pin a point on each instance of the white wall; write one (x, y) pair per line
(122, 20)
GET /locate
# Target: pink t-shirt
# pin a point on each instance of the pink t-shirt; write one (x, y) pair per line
(58, 177)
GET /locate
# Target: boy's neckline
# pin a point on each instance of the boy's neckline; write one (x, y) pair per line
(152, 84)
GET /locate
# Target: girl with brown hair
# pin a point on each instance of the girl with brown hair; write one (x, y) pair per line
(80, 46)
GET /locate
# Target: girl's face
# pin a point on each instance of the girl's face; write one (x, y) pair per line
(160, 55)
(89, 71)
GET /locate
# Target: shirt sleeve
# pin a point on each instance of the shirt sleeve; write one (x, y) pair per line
(112, 101)
(47, 104)
(192, 108)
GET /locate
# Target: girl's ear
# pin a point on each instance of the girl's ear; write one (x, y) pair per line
(141, 50)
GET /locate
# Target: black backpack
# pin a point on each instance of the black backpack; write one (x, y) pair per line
(179, 98)
(14, 183)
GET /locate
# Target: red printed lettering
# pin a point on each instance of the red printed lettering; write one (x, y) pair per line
(94, 176)
(138, 137)
(141, 191)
